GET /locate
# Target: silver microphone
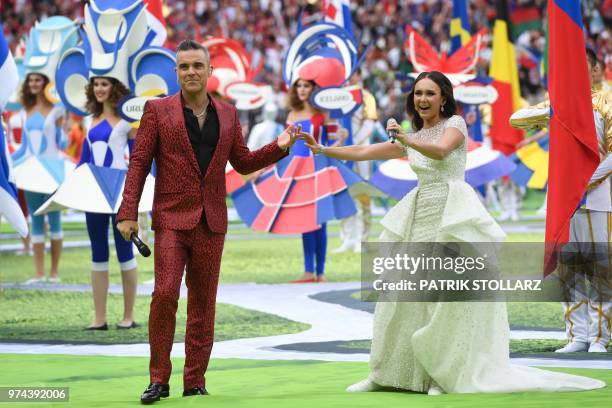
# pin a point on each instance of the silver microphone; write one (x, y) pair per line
(393, 132)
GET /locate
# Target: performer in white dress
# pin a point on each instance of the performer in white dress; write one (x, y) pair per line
(441, 347)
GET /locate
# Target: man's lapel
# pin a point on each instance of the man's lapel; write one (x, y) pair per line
(223, 115)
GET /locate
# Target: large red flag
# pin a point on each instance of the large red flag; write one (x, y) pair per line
(573, 153)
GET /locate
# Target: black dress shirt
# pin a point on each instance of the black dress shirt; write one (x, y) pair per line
(203, 140)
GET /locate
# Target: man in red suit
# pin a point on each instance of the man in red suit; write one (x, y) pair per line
(191, 137)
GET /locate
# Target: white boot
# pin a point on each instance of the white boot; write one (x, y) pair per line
(366, 385)
(573, 347)
(597, 348)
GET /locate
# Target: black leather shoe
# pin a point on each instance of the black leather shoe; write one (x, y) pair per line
(103, 327)
(131, 326)
(154, 392)
(195, 391)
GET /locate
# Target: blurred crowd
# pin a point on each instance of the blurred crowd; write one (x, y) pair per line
(266, 27)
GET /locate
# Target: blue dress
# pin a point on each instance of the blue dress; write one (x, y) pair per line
(95, 187)
(40, 167)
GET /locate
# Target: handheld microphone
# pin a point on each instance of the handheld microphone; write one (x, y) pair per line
(142, 247)
(392, 133)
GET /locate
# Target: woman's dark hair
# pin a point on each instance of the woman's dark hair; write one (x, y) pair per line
(446, 88)
(96, 108)
(28, 99)
(294, 100)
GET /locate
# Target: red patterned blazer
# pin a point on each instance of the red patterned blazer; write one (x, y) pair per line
(181, 191)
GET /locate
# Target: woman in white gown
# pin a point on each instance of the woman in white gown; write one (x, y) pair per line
(441, 347)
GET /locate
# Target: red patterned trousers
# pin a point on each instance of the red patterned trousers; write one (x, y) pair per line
(199, 250)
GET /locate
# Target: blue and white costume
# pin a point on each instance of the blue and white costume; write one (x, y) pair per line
(95, 187)
(105, 148)
(97, 183)
(105, 145)
(40, 166)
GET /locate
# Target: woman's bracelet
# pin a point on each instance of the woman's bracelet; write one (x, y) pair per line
(321, 149)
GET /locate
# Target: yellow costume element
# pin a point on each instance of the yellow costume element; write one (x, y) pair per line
(602, 103)
(369, 106)
(536, 159)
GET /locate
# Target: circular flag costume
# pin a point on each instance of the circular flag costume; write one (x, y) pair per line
(39, 164)
(302, 191)
(115, 45)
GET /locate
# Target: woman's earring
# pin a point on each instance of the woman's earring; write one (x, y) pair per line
(442, 108)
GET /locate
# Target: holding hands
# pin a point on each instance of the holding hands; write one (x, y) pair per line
(338, 135)
(311, 143)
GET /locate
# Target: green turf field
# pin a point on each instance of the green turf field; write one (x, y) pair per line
(98, 381)
(276, 260)
(60, 317)
(41, 316)
(118, 382)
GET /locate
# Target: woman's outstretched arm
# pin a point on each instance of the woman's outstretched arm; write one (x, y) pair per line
(377, 151)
